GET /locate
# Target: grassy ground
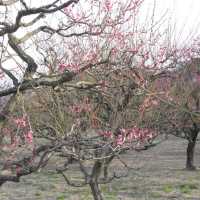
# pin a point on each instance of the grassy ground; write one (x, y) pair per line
(159, 175)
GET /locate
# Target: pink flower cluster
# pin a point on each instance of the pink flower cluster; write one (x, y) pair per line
(107, 134)
(80, 108)
(71, 67)
(107, 5)
(22, 123)
(129, 135)
(149, 102)
(29, 137)
(91, 56)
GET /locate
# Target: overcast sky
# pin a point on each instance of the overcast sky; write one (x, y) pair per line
(184, 14)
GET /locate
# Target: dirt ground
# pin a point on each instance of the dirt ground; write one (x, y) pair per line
(158, 174)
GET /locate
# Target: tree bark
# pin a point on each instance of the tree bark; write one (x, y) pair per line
(94, 185)
(106, 165)
(190, 150)
(96, 192)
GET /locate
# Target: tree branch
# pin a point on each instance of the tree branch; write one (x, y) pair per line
(40, 10)
(10, 75)
(32, 66)
(44, 81)
(8, 2)
(51, 81)
(23, 163)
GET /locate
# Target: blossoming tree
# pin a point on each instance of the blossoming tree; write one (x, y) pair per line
(78, 74)
(175, 101)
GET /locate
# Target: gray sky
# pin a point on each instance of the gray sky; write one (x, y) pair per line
(184, 15)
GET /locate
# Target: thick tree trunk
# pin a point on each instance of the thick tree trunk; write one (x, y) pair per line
(96, 192)
(94, 185)
(190, 150)
(105, 171)
(107, 162)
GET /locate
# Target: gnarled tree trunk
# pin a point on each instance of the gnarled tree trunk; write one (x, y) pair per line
(96, 190)
(94, 185)
(190, 150)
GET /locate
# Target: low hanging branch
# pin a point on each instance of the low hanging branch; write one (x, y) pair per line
(25, 165)
(43, 81)
(52, 81)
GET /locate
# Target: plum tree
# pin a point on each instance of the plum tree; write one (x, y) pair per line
(77, 76)
(177, 105)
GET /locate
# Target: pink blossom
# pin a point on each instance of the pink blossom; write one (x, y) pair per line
(120, 140)
(108, 5)
(114, 51)
(2, 75)
(130, 136)
(107, 134)
(67, 10)
(197, 78)
(20, 122)
(139, 134)
(62, 67)
(6, 131)
(87, 108)
(76, 109)
(123, 131)
(103, 83)
(18, 170)
(71, 67)
(29, 137)
(150, 135)
(14, 142)
(91, 56)
(135, 133)
(133, 50)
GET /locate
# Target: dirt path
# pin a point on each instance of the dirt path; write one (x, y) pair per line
(159, 175)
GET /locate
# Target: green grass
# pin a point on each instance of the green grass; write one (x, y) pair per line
(168, 188)
(155, 195)
(187, 188)
(38, 194)
(62, 197)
